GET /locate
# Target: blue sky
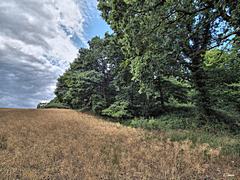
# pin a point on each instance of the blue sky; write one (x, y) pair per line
(38, 40)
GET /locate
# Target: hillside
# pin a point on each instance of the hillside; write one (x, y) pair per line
(65, 144)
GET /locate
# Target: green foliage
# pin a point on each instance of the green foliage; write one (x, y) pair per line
(101, 81)
(88, 83)
(118, 109)
(229, 145)
(165, 122)
(176, 61)
(232, 149)
(164, 38)
(55, 103)
(172, 65)
(41, 105)
(181, 128)
(98, 103)
(224, 77)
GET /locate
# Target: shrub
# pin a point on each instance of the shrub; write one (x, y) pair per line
(56, 105)
(98, 103)
(119, 109)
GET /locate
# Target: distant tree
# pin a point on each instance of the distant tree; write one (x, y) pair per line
(101, 80)
(41, 105)
(87, 84)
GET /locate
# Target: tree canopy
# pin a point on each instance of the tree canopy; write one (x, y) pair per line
(153, 33)
(161, 55)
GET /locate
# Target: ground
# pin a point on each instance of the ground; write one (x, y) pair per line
(66, 144)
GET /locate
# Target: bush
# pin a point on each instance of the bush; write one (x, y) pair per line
(56, 105)
(98, 103)
(172, 121)
(231, 149)
(182, 128)
(119, 109)
(41, 105)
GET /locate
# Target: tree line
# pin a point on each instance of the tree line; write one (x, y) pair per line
(160, 56)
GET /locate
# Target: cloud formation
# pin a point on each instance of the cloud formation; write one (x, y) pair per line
(38, 39)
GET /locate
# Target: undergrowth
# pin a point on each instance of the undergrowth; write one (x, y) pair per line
(185, 126)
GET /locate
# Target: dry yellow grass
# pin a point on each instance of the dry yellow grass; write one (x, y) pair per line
(64, 144)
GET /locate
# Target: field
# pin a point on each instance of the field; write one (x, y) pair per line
(65, 144)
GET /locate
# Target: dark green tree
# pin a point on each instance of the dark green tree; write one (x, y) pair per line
(180, 32)
(222, 68)
(88, 83)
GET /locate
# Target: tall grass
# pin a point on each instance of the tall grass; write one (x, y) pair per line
(182, 127)
(65, 144)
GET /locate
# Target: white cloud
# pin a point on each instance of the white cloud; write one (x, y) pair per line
(36, 46)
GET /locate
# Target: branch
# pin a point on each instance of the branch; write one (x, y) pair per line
(193, 12)
(152, 8)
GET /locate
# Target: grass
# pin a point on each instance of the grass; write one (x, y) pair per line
(65, 144)
(182, 127)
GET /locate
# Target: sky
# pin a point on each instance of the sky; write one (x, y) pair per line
(38, 40)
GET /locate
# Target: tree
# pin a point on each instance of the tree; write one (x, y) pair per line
(180, 32)
(101, 80)
(222, 68)
(88, 83)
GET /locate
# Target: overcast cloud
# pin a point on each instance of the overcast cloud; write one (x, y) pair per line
(38, 39)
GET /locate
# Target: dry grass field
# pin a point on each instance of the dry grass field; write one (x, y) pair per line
(65, 144)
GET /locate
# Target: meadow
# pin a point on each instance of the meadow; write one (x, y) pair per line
(66, 144)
